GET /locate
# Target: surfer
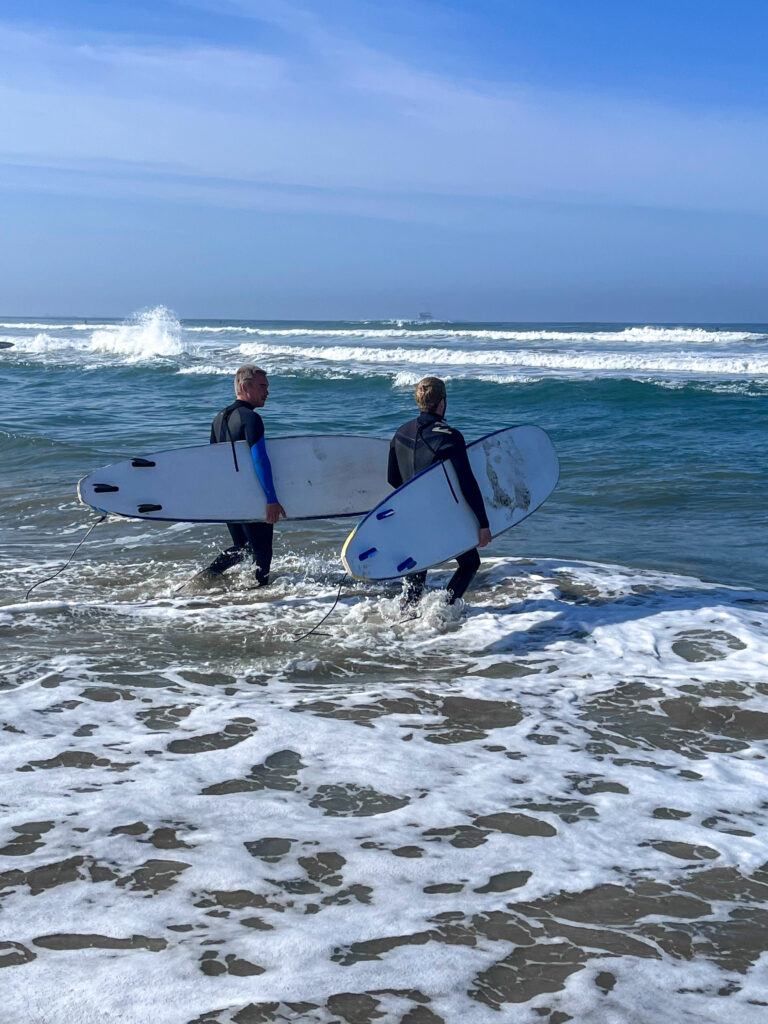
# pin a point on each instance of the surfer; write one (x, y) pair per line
(240, 422)
(421, 443)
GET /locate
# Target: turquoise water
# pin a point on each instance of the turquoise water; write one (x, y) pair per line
(546, 803)
(660, 431)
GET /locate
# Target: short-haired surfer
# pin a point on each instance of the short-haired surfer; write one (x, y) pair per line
(419, 444)
(240, 422)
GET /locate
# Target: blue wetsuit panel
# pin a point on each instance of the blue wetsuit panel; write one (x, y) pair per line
(263, 469)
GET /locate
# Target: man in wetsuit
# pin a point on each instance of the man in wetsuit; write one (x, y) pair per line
(419, 444)
(240, 422)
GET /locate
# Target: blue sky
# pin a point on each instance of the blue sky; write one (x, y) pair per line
(501, 159)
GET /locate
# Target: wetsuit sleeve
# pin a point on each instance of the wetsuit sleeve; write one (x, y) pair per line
(263, 469)
(254, 435)
(469, 485)
(394, 476)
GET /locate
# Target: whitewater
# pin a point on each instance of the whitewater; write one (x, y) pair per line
(682, 352)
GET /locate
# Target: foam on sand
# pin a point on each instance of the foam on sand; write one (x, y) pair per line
(553, 799)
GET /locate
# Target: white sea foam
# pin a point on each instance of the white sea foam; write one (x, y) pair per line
(399, 330)
(210, 369)
(584, 362)
(146, 336)
(156, 332)
(641, 353)
(38, 344)
(196, 744)
(83, 325)
(632, 335)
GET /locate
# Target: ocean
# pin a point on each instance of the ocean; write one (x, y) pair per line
(545, 804)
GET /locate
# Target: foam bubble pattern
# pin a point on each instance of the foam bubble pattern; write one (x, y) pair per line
(546, 805)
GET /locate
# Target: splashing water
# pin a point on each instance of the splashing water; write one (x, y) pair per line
(154, 332)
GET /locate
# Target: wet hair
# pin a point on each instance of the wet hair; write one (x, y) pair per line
(246, 373)
(429, 393)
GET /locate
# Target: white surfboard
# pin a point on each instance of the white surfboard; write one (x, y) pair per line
(315, 478)
(427, 520)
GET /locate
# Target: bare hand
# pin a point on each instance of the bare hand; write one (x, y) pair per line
(483, 537)
(275, 511)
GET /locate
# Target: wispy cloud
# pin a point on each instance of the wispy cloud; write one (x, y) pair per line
(326, 119)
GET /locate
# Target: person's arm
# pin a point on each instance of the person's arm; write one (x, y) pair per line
(254, 435)
(263, 468)
(469, 485)
(394, 476)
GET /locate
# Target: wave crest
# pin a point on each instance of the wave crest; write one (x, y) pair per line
(154, 332)
(520, 359)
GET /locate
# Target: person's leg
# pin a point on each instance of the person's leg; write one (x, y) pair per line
(469, 563)
(260, 544)
(232, 555)
(413, 588)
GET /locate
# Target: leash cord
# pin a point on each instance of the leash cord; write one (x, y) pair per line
(314, 628)
(58, 571)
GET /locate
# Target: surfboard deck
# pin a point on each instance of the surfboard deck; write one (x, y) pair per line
(316, 477)
(427, 520)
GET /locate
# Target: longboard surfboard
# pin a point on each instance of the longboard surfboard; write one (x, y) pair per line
(427, 520)
(315, 477)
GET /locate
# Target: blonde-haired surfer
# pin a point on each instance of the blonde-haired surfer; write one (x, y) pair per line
(419, 444)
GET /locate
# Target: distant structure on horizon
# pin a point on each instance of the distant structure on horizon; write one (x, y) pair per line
(426, 316)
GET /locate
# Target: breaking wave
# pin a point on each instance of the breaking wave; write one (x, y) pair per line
(580, 362)
(147, 335)
(507, 354)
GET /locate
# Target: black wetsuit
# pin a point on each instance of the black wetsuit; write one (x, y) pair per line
(239, 422)
(421, 443)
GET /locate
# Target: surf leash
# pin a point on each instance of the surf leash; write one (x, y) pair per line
(61, 570)
(319, 624)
